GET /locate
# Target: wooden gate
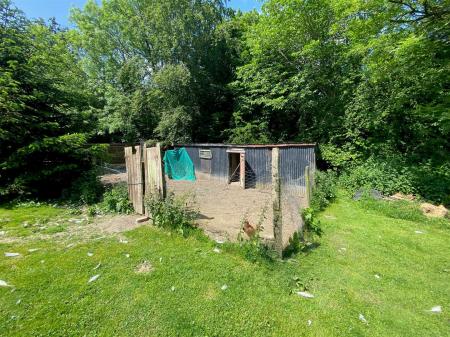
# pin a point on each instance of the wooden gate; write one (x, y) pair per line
(145, 174)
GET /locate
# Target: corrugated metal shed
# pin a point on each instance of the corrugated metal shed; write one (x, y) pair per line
(293, 160)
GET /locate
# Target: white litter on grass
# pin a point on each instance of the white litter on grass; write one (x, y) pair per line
(437, 309)
(377, 276)
(93, 278)
(90, 254)
(97, 266)
(309, 322)
(173, 288)
(160, 260)
(2, 233)
(219, 241)
(70, 245)
(12, 254)
(4, 284)
(18, 301)
(224, 287)
(362, 319)
(127, 255)
(216, 250)
(123, 241)
(419, 232)
(305, 294)
(31, 250)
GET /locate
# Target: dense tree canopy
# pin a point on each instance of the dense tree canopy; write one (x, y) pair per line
(367, 80)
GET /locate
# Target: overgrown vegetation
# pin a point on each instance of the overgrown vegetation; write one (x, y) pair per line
(115, 200)
(173, 213)
(368, 81)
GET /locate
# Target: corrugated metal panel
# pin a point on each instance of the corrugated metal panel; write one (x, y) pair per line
(258, 166)
(293, 161)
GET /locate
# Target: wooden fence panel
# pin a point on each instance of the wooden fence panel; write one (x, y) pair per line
(133, 161)
(154, 172)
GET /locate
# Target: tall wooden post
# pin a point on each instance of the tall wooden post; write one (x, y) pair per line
(276, 203)
(308, 186)
(162, 176)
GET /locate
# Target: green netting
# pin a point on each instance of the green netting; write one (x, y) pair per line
(178, 165)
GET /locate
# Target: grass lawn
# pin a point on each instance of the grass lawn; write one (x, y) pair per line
(182, 294)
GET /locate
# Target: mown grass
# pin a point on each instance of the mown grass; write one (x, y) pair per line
(24, 219)
(57, 300)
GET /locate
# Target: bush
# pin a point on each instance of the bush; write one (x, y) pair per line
(172, 213)
(386, 177)
(87, 189)
(115, 200)
(47, 167)
(325, 189)
(312, 228)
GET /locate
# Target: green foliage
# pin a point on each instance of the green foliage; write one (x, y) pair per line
(254, 248)
(325, 189)
(174, 213)
(43, 124)
(312, 226)
(85, 190)
(295, 246)
(115, 200)
(157, 64)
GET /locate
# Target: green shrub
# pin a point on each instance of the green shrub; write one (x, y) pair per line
(426, 179)
(48, 166)
(295, 246)
(87, 189)
(386, 177)
(172, 213)
(325, 189)
(312, 228)
(115, 200)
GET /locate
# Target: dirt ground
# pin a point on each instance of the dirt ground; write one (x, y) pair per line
(223, 208)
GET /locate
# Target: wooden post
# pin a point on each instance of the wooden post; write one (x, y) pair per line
(242, 169)
(308, 186)
(276, 203)
(162, 176)
(135, 178)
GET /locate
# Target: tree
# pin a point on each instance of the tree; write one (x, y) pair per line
(140, 39)
(42, 104)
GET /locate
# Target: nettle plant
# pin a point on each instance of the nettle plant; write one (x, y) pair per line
(174, 213)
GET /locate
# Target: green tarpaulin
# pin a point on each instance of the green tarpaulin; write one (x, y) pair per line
(178, 165)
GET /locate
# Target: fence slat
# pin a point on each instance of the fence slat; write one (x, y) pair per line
(133, 161)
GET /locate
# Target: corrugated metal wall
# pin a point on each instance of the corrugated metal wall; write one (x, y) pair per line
(258, 166)
(293, 161)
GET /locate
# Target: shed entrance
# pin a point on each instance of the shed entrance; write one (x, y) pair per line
(236, 167)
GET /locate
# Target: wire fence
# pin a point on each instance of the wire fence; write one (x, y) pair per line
(236, 188)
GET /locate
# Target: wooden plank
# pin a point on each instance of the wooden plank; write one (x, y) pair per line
(155, 172)
(242, 170)
(127, 151)
(139, 181)
(161, 174)
(135, 178)
(276, 203)
(308, 186)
